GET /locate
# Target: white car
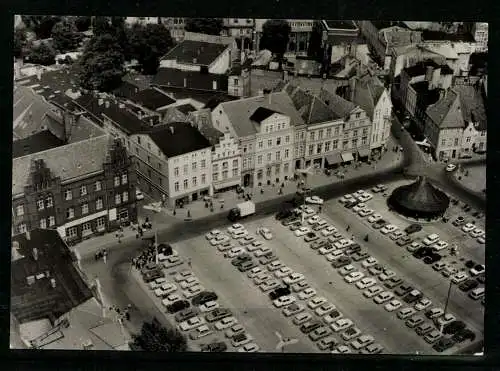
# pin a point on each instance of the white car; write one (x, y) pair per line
(369, 262)
(189, 282)
(365, 197)
(249, 348)
(346, 198)
(221, 238)
(212, 234)
(334, 255)
(168, 288)
(254, 272)
(359, 207)
(477, 270)
(200, 332)
(342, 324)
(262, 277)
(372, 291)
(235, 227)
(358, 193)
(326, 249)
(390, 228)
(283, 272)
(386, 275)
(435, 313)
(459, 277)
(431, 239)
(170, 299)
(393, 305)
(265, 233)
(406, 313)
(445, 319)
(396, 235)
(314, 219)
(300, 286)
(315, 200)
(365, 283)
(325, 309)
(225, 246)
(239, 233)
(414, 246)
(316, 302)
(362, 342)
(192, 291)
(247, 240)
(301, 318)
(275, 265)
(481, 240)
(353, 277)
(192, 323)
(283, 301)
(293, 278)
(208, 306)
(342, 349)
(468, 227)
(343, 243)
(478, 232)
(328, 231)
(450, 167)
(345, 270)
(383, 297)
(235, 251)
(374, 218)
(234, 330)
(422, 304)
(183, 275)
(365, 212)
(440, 245)
(225, 323)
(269, 285)
(138, 194)
(307, 293)
(262, 251)
(302, 231)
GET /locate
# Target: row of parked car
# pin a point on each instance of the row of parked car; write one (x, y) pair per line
(470, 228)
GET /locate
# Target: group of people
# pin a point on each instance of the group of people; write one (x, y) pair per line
(122, 313)
(148, 255)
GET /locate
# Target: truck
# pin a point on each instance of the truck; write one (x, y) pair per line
(241, 210)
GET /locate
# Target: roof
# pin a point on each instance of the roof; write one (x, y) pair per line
(171, 77)
(367, 92)
(420, 68)
(349, 25)
(67, 162)
(397, 36)
(212, 134)
(195, 52)
(446, 50)
(446, 113)
(177, 138)
(379, 25)
(218, 99)
(262, 113)
(37, 142)
(425, 97)
(53, 256)
(340, 106)
(152, 98)
(202, 96)
(445, 36)
(186, 108)
(472, 105)
(240, 111)
(61, 79)
(138, 80)
(312, 109)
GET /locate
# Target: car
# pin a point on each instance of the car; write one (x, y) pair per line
(374, 218)
(365, 197)
(217, 314)
(414, 321)
(333, 316)
(341, 262)
(365, 283)
(315, 200)
(171, 299)
(167, 288)
(413, 228)
(299, 286)
(440, 245)
(459, 278)
(321, 224)
(241, 339)
(264, 250)
(320, 333)
(351, 204)
(324, 309)
(301, 318)
(414, 246)
(209, 305)
(235, 227)
(328, 342)
(355, 248)
(362, 341)
(267, 259)
(283, 214)
(379, 188)
(396, 235)
(357, 256)
(235, 251)
(403, 289)
(275, 265)
(433, 336)
(374, 348)
(289, 221)
(190, 292)
(358, 207)
(307, 293)
(249, 348)
(238, 234)
(404, 240)
(234, 330)
(458, 221)
(177, 306)
(477, 232)
(191, 323)
(311, 236)
(316, 302)
(220, 238)
(434, 313)
(383, 297)
(262, 277)
(454, 327)
(481, 240)
(218, 346)
(334, 255)
(241, 258)
(406, 313)
(203, 297)
(346, 198)
(310, 326)
(173, 261)
(313, 219)
(443, 344)
(302, 231)
(247, 240)
(444, 320)
(463, 335)
(225, 323)
(386, 274)
(376, 269)
(189, 282)
(353, 277)
(284, 301)
(468, 285)
(200, 332)
(247, 265)
(438, 266)
(372, 291)
(341, 324)
(422, 304)
(431, 239)
(342, 349)
(450, 167)
(393, 305)
(379, 224)
(477, 270)
(278, 292)
(449, 271)
(393, 282)
(225, 246)
(265, 233)
(422, 252)
(365, 212)
(351, 333)
(468, 227)
(424, 328)
(293, 309)
(328, 231)
(293, 278)
(283, 272)
(212, 234)
(389, 228)
(413, 296)
(369, 262)
(326, 249)
(344, 271)
(269, 285)
(318, 244)
(255, 245)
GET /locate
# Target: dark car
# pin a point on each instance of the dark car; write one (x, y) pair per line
(290, 220)
(459, 221)
(203, 297)
(403, 289)
(217, 314)
(432, 258)
(310, 326)
(463, 335)
(454, 327)
(470, 263)
(341, 262)
(413, 228)
(351, 204)
(443, 344)
(240, 259)
(185, 314)
(393, 282)
(165, 249)
(356, 248)
(318, 244)
(239, 189)
(410, 298)
(268, 258)
(283, 214)
(279, 292)
(468, 285)
(379, 224)
(403, 241)
(358, 255)
(152, 275)
(150, 267)
(177, 306)
(247, 265)
(423, 251)
(218, 346)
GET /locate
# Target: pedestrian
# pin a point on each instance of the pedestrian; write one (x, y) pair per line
(189, 263)
(320, 208)
(348, 227)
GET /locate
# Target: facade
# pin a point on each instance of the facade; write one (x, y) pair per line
(238, 84)
(80, 195)
(142, 20)
(226, 164)
(242, 29)
(407, 56)
(175, 26)
(480, 32)
(300, 35)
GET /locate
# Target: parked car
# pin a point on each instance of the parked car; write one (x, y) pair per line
(284, 301)
(249, 348)
(434, 313)
(234, 330)
(414, 321)
(477, 270)
(424, 328)
(217, 314)
(403, 289)
(293, 309)
(225, 323)
(177, 306)
(341, 262)
(320, 333)
(307, 293)
(423, 304)
(265, 233)
(342, 324)
(404, 240)
(200, 332)
(328, 342)
(203, 297)
(218, 346)
(373, 291)
(280, 291)
(241, 339)
(374, 348)
(351, 333)
(468, 285)
(406, 313)
(301, 318)
(432, 336)
(443, 344)
(463, 335)
(362, 342)
(413, 296)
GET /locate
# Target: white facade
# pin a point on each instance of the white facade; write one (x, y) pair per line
(449, 143)
(226, 163)
(322, 140)
(381, 121)
(481, 36)
(142, 20)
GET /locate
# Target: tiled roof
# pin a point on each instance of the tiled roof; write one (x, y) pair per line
(195, 52)
(420, 68)
(61, 79)
(136, 79)
(152, 98)
(472, 105)
(83, 130)
(396, 36)
(446, 113)
(38, 142)
(446, 50)
(367, 92)
(239, 111)
(171, 77)
(186, 108)
(202, 96)
(212, 134)
(53, 256)
(218, 99)
(68, 162)
(340, 106)
(444, 36)
(177, 138)
(262, 113)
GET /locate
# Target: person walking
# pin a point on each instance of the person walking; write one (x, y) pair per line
(189, 263)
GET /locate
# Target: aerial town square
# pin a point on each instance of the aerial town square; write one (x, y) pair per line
(249, 185)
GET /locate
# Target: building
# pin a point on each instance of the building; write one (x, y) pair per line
(473, 110)
(154, 99)
(173, 162)
(129, 21)
(407, 56)
(81, 189)
(395, 37)
(480, 32)
(226, 163)
(176, 27)
(341, 37)
(242, 29)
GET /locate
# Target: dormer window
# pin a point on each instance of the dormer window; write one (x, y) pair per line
(40, 204)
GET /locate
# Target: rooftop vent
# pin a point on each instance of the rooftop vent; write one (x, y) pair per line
(172, 129)
(53, 283)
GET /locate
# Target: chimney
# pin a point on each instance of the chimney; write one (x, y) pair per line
(35, 253)
(214, 85)
(28, 235)
(53, 283)
(107, 103)
(100, 101)
(39, 74)
(185, 82)
(428, 73)
(172, 129)
(195, 60)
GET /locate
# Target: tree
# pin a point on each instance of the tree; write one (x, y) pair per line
(315, 49)
(156, 338)
(42, 54)
(83, 23)
(19, 42)
(101, 25)
(209, 26)
(65, 36)
(101, 64)
(275, 35)
(40, 25)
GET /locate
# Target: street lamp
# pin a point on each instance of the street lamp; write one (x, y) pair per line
(446, 305)
(283, 342)
(304, 173)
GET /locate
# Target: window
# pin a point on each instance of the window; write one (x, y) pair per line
(139, 140)
(185, 169)
(268, 171)
(244, 162)
(71, 232)
(203, 178)
(86, 228)
(224, 165)
(125, 196)
(20, 210)
(320, 134)
(97, 186)
(235, 163)
(22, 228)
(83, 190)
(194, 181)
(337, 130)
(70, 213)
(286, 168)
(193, 166)
(467, 139)
(365, 132)
(311, 135)
(68, 195)
(118, 199)
(216, 167)
(329, 132)
(358, 115)
(225, 174)
(259, 160)
(149, 173)
(278, 141)
(149, 159)
(261, 144)
(443, 142)
(185, 183)
(136, 150)
(311, 149)
(117, 181)
(355, 133)
(277, 169)
(345, 144)
(319, 147)
(176, 171)
(85, 209)
(43, 223)
(354, 143)
(101, 223)
(456, 141)
(287, 153)
(98, 204)
(52, 221)
(269, 143)
(159, 166)
(364, 140)
(124, 178)
(235, 172)
(203, 164)
(278, 156)
(269, 157)
(40, 204)
(287, 139)
(327, 146)
(176, 186)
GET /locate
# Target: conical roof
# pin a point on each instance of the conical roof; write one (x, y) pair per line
(420, 197)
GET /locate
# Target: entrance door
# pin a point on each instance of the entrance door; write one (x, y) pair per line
(246, 180)
(195, 196)
(454, 153)
(297, 164)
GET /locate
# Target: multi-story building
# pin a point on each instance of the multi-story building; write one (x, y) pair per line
(175, 26)
(480, 32)
(241, 29)
(407, 56)
(141, 20)
(81, 189)
(173, 162)
(226, 163)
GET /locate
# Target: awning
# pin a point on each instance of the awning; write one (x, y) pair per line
(365, 152)
(333, 159)
(347, 156)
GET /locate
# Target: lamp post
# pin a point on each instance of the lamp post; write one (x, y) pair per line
(448, 296)
(304, 173)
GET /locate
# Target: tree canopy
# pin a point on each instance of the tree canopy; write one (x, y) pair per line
(82, 23)
(40, 25)
(275, 35)
(156, 338)
(65, 36)
(42, 54)
(19, 42)
(209, 26)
